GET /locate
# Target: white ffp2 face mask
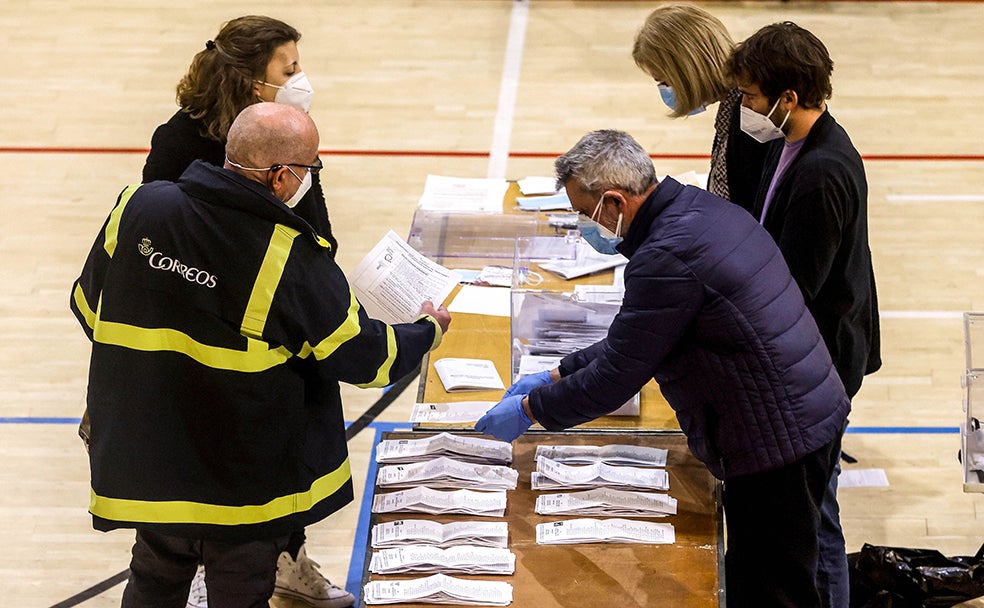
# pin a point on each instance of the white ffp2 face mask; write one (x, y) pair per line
(301, 190)
(296, 92)
(759, 127)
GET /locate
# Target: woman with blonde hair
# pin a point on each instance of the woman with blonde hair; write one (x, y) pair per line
(685, 50)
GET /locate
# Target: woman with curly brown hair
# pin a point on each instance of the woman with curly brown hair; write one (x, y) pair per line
(252, 59)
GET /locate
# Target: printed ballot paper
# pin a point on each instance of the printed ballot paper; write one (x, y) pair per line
(393, 280)
(459, 374)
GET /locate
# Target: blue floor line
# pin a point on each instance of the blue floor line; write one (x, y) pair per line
(353, 584)
(905, 430)
(35, 420)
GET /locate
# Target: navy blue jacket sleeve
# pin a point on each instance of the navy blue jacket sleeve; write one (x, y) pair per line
(662, 298)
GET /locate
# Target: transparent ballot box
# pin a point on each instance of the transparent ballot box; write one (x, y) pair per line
(549, 321)
(972, 433)
(469, 240)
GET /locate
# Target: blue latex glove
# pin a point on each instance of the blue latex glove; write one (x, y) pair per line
(526, 384)
(506, 421)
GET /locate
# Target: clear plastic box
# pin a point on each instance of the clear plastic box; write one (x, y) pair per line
(972, 433)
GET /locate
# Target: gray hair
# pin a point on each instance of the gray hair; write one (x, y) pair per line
(605, 160)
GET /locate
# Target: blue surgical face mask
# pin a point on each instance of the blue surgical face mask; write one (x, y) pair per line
(600, 238)
(668, 95)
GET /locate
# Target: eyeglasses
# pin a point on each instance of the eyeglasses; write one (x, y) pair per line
(314, 169)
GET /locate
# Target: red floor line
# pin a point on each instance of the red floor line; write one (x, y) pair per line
(473, 154)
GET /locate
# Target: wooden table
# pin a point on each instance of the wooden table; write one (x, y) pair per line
(686, 574)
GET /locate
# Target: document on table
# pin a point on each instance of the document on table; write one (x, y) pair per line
(575, 531)
(439, 589)
(607, 501)
(450, 413)
(552, 475)
(552, 202)
(404, 532)
(460, 374)
(471, 299)
(613, 453)
(436, 502)
(446, 473)
(393, 280)
(463, 194)
(470, 449)
(587, 261)
(463, 559)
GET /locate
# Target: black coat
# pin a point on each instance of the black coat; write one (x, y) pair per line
(819, 218)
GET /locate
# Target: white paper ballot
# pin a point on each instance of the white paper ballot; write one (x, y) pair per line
(459, 374)
(438, 589)
(536, 184)
(575, 531)
(862, 478)
(474, 300)
(587, 262)
(461, 411)
(393, 280)
(463, 194)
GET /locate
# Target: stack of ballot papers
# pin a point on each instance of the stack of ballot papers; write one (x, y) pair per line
(447, 473)
(552, 475)
(427, 559)
(404, 532)
(438, 589)
(468, 449)
(436, 502)
(576, 531)
(450, 413)
(614, 454)
(607, 501)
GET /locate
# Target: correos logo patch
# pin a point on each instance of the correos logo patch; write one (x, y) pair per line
(159, 261)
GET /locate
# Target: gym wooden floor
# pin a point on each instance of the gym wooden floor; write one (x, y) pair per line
(473, 88)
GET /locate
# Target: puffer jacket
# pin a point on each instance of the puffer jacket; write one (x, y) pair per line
(712, 313)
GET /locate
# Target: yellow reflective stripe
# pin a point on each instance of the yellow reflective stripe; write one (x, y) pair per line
(438, 332)
(256, 358)
(349, 329)
(267, 279)
(180, 511)
(383, 374)
(323, 242)
(83, 305)
(113, 224)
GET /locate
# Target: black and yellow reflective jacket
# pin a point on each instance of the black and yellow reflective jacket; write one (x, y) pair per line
(220, 330)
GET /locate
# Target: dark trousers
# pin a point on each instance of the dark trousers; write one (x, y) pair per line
(773, 521)
(237, 575)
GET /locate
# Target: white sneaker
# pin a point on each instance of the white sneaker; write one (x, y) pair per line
(198, 596)
(301, 580)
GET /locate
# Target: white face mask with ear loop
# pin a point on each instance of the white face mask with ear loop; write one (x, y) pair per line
(760, 127)
(301, 190)
(296, 92)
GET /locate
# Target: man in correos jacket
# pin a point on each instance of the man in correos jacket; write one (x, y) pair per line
(711, 312)
(220, 329)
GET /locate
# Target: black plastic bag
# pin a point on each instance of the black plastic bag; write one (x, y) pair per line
(895, 577)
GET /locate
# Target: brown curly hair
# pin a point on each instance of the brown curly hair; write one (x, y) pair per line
(221, 78)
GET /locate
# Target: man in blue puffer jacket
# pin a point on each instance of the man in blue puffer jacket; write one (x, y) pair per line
(712, 313)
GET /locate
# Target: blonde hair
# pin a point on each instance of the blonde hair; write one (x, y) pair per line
(689, 48)
(221, 79)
